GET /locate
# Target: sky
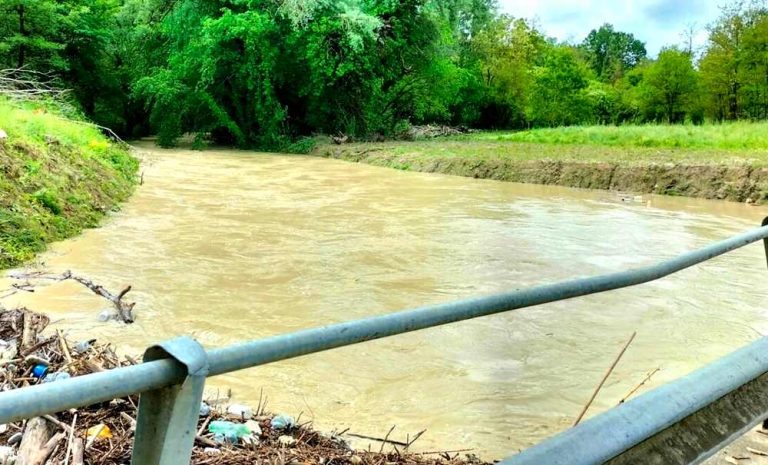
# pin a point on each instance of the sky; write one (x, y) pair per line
(655, 22)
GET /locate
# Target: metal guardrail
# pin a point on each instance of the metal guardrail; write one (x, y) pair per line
(173, 374)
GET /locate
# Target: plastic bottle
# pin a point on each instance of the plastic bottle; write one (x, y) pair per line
(283, 421)
(227, 431)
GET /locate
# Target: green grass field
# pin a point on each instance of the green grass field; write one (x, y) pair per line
(57, 177)
(726, 136)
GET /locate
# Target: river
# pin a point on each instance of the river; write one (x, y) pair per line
(227, 245)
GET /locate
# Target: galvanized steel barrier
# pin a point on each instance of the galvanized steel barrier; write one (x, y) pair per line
(681, 422)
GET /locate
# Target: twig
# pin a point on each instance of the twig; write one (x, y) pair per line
(71, 439)
(129, 419)
(757, 452)
(201, 430)
(442, 452)
(645, 380)
(32, 349)
(386, 439)
(418, 435)
(64, 347)
(605, 378)
(383, 440)
(58, 423)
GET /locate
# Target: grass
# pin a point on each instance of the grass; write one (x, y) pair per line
(484, 150)
(726, 136)
(57, 177)
(633, 145)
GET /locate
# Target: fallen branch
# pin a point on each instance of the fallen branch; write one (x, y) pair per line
(382, 440)
(605, 378)
(124, 309)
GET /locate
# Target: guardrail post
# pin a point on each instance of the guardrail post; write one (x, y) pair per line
(765, 240)
(167, 421)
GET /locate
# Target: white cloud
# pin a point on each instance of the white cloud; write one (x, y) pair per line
(655, 22)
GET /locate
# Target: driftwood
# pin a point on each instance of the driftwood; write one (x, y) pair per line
(69, 446)
(78, 451)
(37, 442)
(124, 309)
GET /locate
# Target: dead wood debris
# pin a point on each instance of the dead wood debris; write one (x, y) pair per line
(124, 309)
(62, 438)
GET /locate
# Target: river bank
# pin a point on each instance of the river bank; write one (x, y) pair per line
(722, 174)
(57, 177)
(102, 433)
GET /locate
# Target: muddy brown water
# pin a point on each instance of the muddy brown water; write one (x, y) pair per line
(227, 245)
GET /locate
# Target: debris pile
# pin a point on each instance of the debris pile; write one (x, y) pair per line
(431, 131)
(102, 434)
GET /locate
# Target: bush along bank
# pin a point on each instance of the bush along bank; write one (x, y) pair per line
(57, 177)
(723, 176)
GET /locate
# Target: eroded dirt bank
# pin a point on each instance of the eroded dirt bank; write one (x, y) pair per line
(737, 179)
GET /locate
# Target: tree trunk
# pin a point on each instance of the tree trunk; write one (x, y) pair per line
(23, 32)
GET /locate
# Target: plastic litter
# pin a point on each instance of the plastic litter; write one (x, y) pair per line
(58, 376)
(8, 351)
(83, 346)
(240, 411)
(205, 409)
(227, 431)
(283, 421)
(286, 441)
(249, 440)
(7, 455)
(253, 427)
(40, 371)
(100, 431)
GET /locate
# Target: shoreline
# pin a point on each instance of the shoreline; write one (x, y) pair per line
(228, 432)
(717, 175)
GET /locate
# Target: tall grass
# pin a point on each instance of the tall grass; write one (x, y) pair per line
(57, 177)
(729, 136)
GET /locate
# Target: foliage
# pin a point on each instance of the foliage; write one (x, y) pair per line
(734, 67)
(557, 97)
(670, 87)
(725, 136)
(57, 177)
(612, 53)
(263, 73)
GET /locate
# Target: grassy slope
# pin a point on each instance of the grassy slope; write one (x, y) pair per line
(715, 161)
(728, 136)
(57, 177)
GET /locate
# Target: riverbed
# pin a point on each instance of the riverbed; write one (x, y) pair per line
(229, 245)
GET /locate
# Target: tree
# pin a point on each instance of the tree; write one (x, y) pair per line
(670, 86)
(507, 50)
(30, 34)
(557, 97)
(611, 53)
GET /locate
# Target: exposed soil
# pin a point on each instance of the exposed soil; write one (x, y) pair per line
(739, 181)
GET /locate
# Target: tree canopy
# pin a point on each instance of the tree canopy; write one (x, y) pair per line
(267, 72)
